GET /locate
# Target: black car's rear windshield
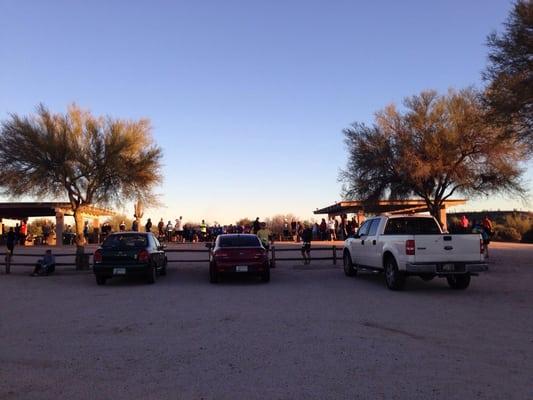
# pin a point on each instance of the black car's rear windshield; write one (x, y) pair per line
(411, 226)
(126, 240)
(238, 241)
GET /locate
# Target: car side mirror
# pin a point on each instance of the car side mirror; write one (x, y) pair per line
(355, 236)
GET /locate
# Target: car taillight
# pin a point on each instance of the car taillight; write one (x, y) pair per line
(143, 256)
(221, 254)
(97, 257)
(259, 254)
(481, 247)
(410, 247)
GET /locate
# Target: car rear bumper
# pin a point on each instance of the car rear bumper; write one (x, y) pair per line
(446, 268)
(110, 270)
(252, 268)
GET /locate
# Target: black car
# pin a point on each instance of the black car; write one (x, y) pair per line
(128, 254)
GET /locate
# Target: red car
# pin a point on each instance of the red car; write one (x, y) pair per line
(238, 254)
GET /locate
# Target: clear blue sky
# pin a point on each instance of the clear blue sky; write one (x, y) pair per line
(247, 98)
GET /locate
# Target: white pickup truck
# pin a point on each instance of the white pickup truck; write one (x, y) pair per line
(406, 245)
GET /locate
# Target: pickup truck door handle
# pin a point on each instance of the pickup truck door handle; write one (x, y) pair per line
(374, 242)
(363, 242)
(448, 247)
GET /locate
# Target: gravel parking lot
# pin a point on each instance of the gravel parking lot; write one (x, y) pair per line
(311, 333)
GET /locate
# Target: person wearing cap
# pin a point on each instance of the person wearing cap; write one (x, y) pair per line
(307, 237)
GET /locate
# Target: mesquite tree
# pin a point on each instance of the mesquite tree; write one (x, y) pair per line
(509, 74)
(436, 147)
(88, 160)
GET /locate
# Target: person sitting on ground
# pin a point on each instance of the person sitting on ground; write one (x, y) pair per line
(46, 265)
(307, 237)
(264, 234)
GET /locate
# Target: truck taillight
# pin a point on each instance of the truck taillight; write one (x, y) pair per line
(143, 256)
(410, 247)
(97, 257)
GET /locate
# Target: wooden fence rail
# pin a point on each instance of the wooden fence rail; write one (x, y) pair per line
(6, 261)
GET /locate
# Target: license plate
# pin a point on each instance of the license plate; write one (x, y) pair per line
(448, 267)
(119, 271)
(241, 268)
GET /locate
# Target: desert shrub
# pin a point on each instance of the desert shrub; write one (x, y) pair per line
(507, 234)
(522, 225)
(528, 236)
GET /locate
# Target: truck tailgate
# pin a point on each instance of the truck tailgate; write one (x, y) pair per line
(444, 248)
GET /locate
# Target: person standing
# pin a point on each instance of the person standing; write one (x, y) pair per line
(286, 230)
(293, 229)
(256, 226)
(323, 229)
(135, 225)
(86, 231)
(161, 228)
(148, 226)
(264, 234)
(331, 229)
(23, 232)
(178, 228)
(122, 226)
(170, 229)
(464, 224)
(488, 231)
(315, 231)
(10, 241)
(307, 237)
(203, 230)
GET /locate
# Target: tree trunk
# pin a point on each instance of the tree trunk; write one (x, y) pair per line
(82, 259)
(434, 210)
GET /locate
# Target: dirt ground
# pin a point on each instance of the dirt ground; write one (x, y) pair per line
(311, 333)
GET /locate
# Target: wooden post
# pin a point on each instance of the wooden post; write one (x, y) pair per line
(273, 257)
(334, 255)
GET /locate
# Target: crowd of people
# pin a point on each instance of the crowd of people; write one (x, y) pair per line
(180, 232)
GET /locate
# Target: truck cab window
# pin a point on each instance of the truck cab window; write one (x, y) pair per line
(373, 227)
(363, 231)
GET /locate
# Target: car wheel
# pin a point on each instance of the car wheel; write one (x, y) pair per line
(394, 278)
(459, 281)
(349, 268)
(151, 275)
(100, 280)
(213, 274)
(265, 276)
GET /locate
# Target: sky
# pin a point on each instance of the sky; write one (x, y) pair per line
(247, 99)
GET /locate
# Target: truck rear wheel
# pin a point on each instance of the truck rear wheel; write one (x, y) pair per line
(394, 278)
(458, 281)
(349, 268)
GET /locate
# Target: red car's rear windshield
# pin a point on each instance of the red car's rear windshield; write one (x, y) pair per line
(126, 240)
(238, 241)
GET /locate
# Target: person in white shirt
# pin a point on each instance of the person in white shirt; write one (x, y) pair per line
(331, 228)
(178, 228)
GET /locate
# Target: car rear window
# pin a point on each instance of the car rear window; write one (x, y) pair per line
(238, 241)
(129, 240)
(412, 226)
